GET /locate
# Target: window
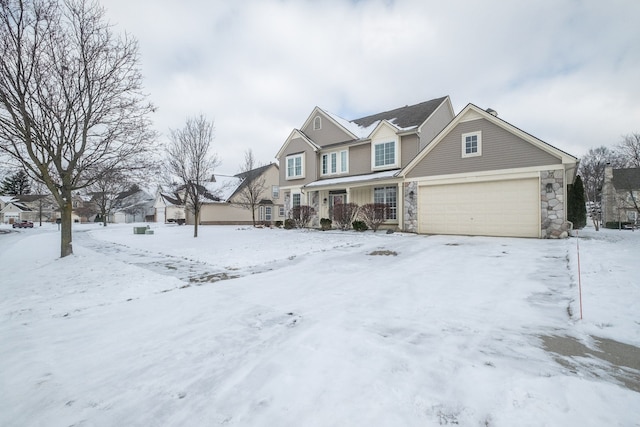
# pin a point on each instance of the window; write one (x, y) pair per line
(384, 154)
(343, 161)
(295, 200)
(281, 211)
(295, 166)
(632, 216)
(333, 163)
(471, 144)
(267, 213)
(317, 123)
(275, 192)
(388, 196)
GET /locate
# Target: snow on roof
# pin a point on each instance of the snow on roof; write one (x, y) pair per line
(359, 131)
(6, 199)
(223, 186)
(352, 179)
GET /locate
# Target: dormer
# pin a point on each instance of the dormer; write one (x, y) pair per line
(385, 147)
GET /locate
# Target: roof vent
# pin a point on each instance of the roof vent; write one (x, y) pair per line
(493, 112)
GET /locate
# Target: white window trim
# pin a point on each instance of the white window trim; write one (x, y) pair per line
(294, 193)
(286, 164)
(464, 144)
(344, 166)
(275, 192)
(318, 120)
(325, 159)
(396, 153)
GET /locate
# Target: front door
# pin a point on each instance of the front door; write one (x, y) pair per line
(335, 199)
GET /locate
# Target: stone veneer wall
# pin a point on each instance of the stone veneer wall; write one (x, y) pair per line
(315, 204)
(553, 215)
(410, 217)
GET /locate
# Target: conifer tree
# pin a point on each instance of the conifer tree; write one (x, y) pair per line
(16, 184)
(576, 206)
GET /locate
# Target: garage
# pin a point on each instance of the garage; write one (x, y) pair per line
(160, 215)
(508, 208)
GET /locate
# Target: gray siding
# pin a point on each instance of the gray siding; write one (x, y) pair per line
(328, 134)
(409, 147)
(298, 145)
(360, 159)
(438, 121)
(500, 150)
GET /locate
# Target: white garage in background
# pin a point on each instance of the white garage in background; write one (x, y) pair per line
(492, 208)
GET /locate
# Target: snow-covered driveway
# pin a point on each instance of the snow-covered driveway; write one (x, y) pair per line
(318, 329)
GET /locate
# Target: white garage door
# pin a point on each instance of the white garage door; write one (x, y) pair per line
(160, 215)
(494, 208)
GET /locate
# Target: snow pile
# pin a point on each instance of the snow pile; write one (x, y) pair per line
(318, 328)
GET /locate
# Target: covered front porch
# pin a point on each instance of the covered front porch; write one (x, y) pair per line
(380, 187)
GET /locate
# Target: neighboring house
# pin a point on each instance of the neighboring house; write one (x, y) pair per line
(231, 206)
(42, 207)
(621, 196)
(225, 201)
(168, 207)
(133, 206)
(440, 173)
(29, 207)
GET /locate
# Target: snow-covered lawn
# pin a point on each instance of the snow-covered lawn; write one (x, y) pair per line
(316, 329)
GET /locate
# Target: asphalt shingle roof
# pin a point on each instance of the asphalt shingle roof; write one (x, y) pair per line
(404, 117)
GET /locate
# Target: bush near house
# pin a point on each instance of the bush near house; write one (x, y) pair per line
(344, 214)
(301, 215)
(616, 224)
(359, 226)
(374, 214)
(289, 224)
(325, 224)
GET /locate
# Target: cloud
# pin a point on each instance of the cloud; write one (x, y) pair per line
(565, 71)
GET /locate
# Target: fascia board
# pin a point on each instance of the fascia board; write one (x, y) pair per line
(318, 110)
(293, 134)
(444, 104)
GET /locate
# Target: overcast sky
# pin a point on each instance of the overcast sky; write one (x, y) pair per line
(566, 71)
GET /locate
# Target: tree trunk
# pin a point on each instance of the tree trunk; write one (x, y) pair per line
(66, 245)
(253, 215)
(196, 219)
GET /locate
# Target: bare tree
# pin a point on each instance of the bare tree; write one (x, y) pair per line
(301, 215)
(191, 162)
(374, 214)
(253, 185)
(344, 214)
(105, 192)
(630, 150)
(71, 106)
(591, 170)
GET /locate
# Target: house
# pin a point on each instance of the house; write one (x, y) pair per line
(233, 205)
(134, 205)
(621, 196)
(43, 208)
(168, 207)
(440, 173)
(29, 207)
(225, 199)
